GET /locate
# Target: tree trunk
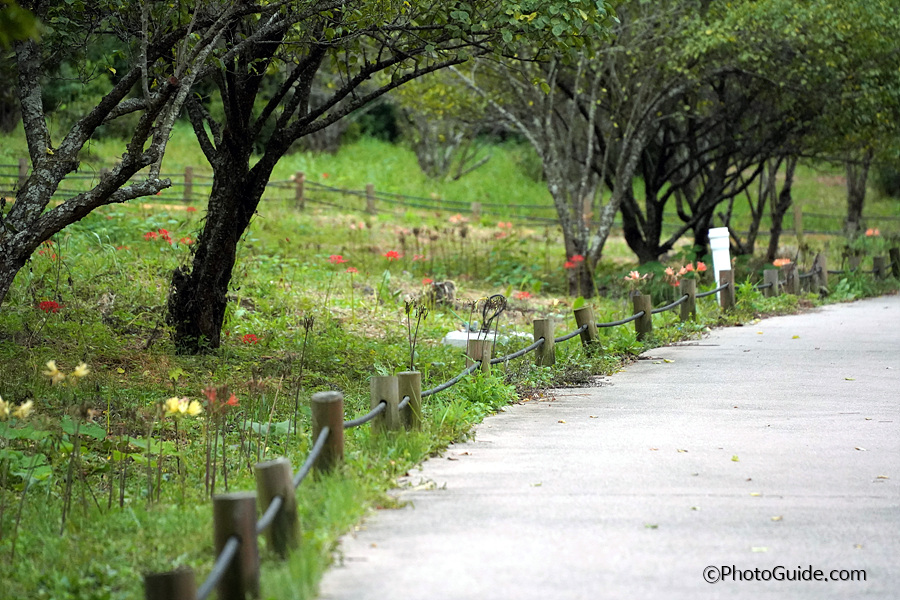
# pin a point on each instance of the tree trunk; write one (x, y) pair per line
(857, 174)
(197, 298)
(9, 267)
(780, 208)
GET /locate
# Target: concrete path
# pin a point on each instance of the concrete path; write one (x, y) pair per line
(774, 446)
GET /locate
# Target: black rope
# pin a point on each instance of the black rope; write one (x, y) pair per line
(265, 521)
(763, 286)
(633, 317)
(403, 403)
(569, 336)
(807, 275)
(313, 456)
(711, 292)
(669, 306)
(229, 550)
(367, 417)
(518, 353)
(452, 382)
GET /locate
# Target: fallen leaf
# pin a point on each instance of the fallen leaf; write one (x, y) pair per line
(882, 477)
(860, 449)
(120, 370)
(849, 379)
(594, 417)
(538, 484)
(755, 494)
(796, 337)
(666, 360)
(651, 526)
(857, 546)
(759, 333)
(759, 549)
(778, 518)
(560, 421)
(735, 458)
(452, 458)
(868, 418)
(680, 450)
(654, 449)
(695, 508)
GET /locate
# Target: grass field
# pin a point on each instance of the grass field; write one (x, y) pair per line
(98, 485)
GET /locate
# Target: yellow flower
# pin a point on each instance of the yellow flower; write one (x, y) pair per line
(172, 406)
(23, 410)
(4, 409)
(194, 408)
(53, 373)
(81, 371)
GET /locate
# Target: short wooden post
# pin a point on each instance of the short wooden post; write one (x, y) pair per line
(643, 325)
(821, 265)
(370, 199)
(327, 410)
(23, 171)
(476, 211)
(590, 337)
(879, 266)
(770, 276)
(479, 349)
(727, 296)
(174, 585)
(299, 185)
(188, 184)
(410, 384)
(894, 253)
(688, 307)
(276, 478)
(853, 262)
(234, 514)
(385, 389)
(545, 354)
(791, 279)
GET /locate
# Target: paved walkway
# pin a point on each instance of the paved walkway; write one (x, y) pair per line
(772, 445)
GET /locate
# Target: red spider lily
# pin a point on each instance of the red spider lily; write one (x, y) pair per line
(392, 255)
(250, 338)
(151, 235)
(570, 265)
(165, 236)
(577, 258)
(427, 281)
(418, 257)
(49, 306)
(336, 259)
(522, 295)
(233, 401)
(212, 394)
(506, 225)
(872, 232)
(191, 209)
(352, 270)
(325, 176)
(186, 240)
(781, 262)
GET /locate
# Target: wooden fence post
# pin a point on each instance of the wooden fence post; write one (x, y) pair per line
(821, 264)
(410, 384)
(23, 171)
(327, 409)
(545, 354)
(370, 199)
(174, 585)
(798, 223)
(188, 184)
(894, 253)
(853, 262)
(276, 478)
(689, 306)
(234, 514)
(643, 325)
(590, 337)
(387, 389)
(299, 184)
(476, 211)
(879, 267)
(770, 276)
(791, 280)
(479, 349)
(727, 296)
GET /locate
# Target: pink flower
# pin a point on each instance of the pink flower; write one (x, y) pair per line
(250, 338)
(701, 267)
(505, 225)
(871, 232)
(391, 255)
(522, 295)
(49, 306)
(418, 257)
(427, 281)
(781, 262)
(688, 267)
(352, 270)
(670, 272)
(336, 259)
(633, 276)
